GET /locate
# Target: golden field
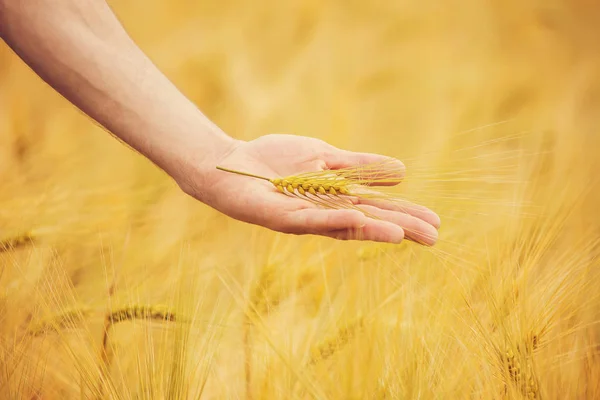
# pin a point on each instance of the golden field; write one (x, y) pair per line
(493, 106)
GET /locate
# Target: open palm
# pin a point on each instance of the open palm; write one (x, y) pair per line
(256, 201)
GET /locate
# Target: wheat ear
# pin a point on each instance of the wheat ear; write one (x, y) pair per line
(143, 312)
(331, 345)
(333, 188)
(130, 313)
(303, 184)
(54, 323)
(15, 242)
(264, 297)
(519, 365)
(332, 182)
(70, 316)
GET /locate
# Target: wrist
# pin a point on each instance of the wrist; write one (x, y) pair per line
(196, 169)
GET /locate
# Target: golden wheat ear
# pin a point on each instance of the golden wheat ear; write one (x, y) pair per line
(334, 189)
(333, 344)
(322, 188)
(331, 188)
(388, 172)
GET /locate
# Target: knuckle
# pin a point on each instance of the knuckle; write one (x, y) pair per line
(323, 154)
(344, 235)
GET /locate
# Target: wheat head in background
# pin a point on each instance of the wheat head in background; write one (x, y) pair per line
(114, 284)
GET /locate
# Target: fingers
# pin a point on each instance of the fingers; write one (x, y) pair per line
(405, 207)
(317, 221)
(377, 231)
(343, 159)
(390, 173)
(415, 229)
(391, 224)
(340, 224)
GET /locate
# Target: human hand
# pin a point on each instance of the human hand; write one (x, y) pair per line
(257, 202)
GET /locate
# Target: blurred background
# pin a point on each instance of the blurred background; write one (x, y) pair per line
(492, 105)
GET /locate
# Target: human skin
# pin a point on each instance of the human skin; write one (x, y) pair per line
(81, 49)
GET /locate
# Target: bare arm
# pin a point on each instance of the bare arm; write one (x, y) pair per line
(80, 48)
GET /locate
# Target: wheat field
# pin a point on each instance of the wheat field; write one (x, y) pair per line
(114, 284)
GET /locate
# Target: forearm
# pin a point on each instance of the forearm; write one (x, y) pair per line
(80, 48)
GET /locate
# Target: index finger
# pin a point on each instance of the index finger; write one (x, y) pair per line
(373, 169)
